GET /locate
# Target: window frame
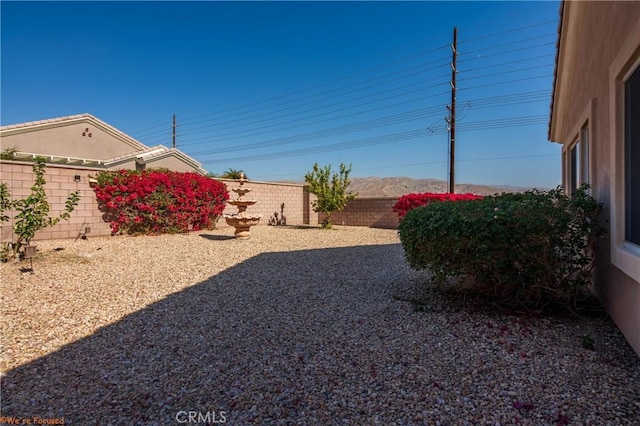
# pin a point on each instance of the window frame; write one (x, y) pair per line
(625, 255)
(583, 136)
(627, 187)
(575, 165)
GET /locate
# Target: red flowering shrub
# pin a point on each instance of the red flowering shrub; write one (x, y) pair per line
(159, 201)
(411, 201)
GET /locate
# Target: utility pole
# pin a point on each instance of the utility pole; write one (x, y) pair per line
(452, 113)
(174, 131)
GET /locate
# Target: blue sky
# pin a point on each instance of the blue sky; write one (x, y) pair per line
(272, 87)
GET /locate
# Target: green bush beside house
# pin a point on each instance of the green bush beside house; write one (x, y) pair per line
(527, 249)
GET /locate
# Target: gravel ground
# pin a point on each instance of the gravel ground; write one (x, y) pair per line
(294, 326)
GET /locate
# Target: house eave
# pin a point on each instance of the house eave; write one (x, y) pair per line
(552, 133)
(57, 159)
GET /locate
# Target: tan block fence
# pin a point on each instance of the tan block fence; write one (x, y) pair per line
(88, 219)
(371, 212)
(61, 181)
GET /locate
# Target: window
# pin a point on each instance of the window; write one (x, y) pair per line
(574, 167)
(632, 157)
(584, 153)
(578, 160)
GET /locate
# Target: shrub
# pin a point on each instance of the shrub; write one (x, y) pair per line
(411, 201)
(159, 201)
(529, 248)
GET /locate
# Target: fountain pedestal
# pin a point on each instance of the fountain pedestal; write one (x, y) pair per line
(242, 221)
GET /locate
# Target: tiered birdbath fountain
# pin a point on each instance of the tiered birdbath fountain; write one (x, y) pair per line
(242, 220)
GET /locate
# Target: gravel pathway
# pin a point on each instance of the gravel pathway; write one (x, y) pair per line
(294, 326)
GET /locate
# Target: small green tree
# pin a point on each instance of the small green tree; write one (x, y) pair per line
(33, 211)
(5, 202)
(5, 205)
(331, 190)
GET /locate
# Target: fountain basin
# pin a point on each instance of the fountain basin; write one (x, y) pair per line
(244, 203)
(242, 224)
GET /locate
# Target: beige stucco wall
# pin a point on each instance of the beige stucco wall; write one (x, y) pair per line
(171, 163)
(130, 164)
(593, 37)
(67, 140)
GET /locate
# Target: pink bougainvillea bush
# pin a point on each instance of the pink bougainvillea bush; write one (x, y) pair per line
(159, 201)
(411, 201)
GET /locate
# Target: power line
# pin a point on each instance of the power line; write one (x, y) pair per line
(226, 136)
(404, 136)
(314, 106)
(511, 43)
(191, 141)
(158, 132)
(512, 99)
(506, 52)
(426, 163)
(245, 134)
(408, 58)
(546, 56)
(506, 72)
(150, 126)
(188, 119)
(526, 97)
(554, 21)
(395, 137)
(349, 128)
(244, 122)
(499, 83)
(271, 112)
(270, 107)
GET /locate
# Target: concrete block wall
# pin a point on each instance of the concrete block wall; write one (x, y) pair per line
(372, 212)
(60, 183)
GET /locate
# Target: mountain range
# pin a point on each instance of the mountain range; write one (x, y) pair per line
(373, 187)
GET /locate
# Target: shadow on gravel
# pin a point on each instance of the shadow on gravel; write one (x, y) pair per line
(316, 337)
(301, 226)
(216, 237)
(200, 348)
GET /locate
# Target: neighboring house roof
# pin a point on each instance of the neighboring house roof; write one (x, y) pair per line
(154, 153)
(555, 69)
(141, 153)
(33, 126)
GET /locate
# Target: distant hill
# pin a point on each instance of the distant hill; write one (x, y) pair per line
(397, 186)
(370, 187)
